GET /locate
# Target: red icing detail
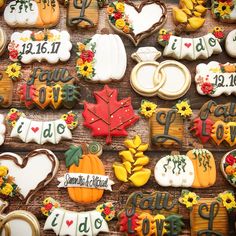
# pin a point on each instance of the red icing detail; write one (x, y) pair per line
(123, 220)
(109, 117)
(35, 129)
(187, 45)
(230, 159)
(198, 129)
(48, 207)
(24, 89)
(69, 222)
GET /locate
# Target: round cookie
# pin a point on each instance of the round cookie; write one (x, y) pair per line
(230, 44)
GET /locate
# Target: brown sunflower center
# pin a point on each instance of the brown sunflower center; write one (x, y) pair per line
(190, 199)
(184, 108)
(228, 200)
(148, 109)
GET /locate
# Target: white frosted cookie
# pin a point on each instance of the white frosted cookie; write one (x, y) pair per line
(230, 43)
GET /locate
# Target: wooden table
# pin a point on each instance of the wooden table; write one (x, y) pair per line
(110, 155)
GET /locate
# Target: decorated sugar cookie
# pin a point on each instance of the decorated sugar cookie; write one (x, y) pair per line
(86, 179)
(109, 117)
(31, 172)
(82, 14)
(64, 222)
(3, 41)
(18, 222)
(189, 16)
(189, 48)
(216, 123)
(136, 22)
(196, 169)
(150, 78)
(150, 214)
(2, 129)
(224, 11)
(214, 79)
(41, 132)
(230, 43)
(47, 87)
(133, 160)
(32, 13)
(11, 73)
(101, 58)
(208, 215)
(48, 45)
(228, 167)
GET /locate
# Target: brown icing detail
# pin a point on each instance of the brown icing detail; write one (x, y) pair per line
(32, 154)
(137, 38)
(209, 216)
(6, 89)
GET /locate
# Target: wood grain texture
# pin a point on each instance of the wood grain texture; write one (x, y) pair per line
(110, 155)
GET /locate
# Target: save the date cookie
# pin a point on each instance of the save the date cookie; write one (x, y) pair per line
(230, 43)
(3, 41)
(32, 13)
(41, 132)
(101, 58)
(153, 213)
(228, 167)
(82, 14)
(48, 45)
(109, 117)
(216, 123)
(189, 16)
(214, 79)
(86, 179)
(136, 22)
(188, 48)
(224, 11)
(18, 222)
(49, 87)
(65, 222)
(32, 172)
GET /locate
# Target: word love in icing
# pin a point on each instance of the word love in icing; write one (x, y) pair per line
(216, 122)
(136, 22)
(230, 43)
(150, 214)
(102, 58)
(18, 222)
(32, 13)
(41, 131)
(53, 88)
(85, 181)
(31, 172)
(51, 45)
(196, 169)
(64, 222)
(189, 48)
(214, 79)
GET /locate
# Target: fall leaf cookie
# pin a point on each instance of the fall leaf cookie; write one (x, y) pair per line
(196, 169)
(131, 169)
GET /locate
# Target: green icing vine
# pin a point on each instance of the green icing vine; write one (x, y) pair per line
(203, 157)
(179, 162)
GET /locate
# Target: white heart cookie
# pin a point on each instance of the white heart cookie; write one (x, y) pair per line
(31, 172)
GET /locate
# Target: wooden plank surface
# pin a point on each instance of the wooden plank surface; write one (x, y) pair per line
(110, 154)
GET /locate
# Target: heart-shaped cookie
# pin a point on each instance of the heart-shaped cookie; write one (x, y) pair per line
(137, 22)
(228, 167)
(31, 172)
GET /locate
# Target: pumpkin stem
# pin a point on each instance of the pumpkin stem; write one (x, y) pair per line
(84, 148)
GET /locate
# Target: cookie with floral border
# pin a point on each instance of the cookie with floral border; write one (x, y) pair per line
(224, 11)
(109, 117)
(41, 132)
(101, 58)
(230, 43)
(216, 123)
(49, 87)
(32, 172)
(214, 78)
(228, 167)
(64, 222)
(136, 22)
(3, 41)
(189, 48)
(32, 13)
(150, 214)
(48, 45)
(82, 14)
